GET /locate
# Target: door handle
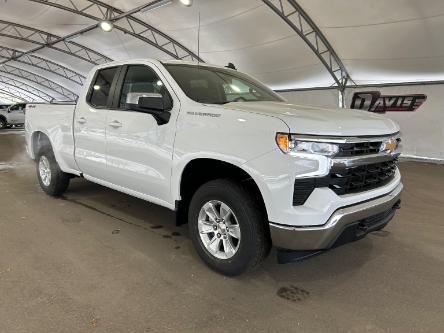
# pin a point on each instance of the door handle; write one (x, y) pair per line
(115, 124)
(81, 120)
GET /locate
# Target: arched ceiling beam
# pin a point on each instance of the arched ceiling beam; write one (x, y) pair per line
(25, 88)
(11, 97)
(38, 62)
(295, 16)
(18, 92)
(127, 23)
(45, 39)
(40, 80)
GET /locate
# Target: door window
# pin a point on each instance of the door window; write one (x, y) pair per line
(17, 107)
(140, 81)
(101, 87)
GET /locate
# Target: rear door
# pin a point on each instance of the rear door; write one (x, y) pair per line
(90, 123)
(139, 148)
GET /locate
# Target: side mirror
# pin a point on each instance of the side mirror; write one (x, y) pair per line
(155, 103)
(152, 103)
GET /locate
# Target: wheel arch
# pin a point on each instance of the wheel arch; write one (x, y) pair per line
(39, 142)
(201, 170)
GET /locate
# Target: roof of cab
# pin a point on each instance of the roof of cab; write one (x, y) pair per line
(192, 63)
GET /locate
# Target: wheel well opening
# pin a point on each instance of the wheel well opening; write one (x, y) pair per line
(40, 142)
(201, 171)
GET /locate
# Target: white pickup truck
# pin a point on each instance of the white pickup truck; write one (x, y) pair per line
(12, 115)
(242, 167)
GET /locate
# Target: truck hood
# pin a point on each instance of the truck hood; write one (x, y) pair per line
(320, 121)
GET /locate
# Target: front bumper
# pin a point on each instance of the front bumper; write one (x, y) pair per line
(344, 225)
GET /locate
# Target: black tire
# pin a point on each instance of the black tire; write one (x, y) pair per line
(3, 123)
(254, 244)
(59, 181)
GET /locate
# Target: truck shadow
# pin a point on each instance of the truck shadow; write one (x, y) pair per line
(122, 207)
(144, 215)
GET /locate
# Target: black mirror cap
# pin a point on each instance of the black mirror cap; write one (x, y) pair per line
(151, 103)
(157, 103)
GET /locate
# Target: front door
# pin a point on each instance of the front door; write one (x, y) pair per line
(90, 124)
(139, 147)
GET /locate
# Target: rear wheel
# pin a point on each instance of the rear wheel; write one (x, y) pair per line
(51, 178)
(227, 227)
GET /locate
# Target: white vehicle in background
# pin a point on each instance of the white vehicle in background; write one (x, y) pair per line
(13, 115)
(242, 167)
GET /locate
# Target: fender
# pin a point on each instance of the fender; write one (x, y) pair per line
(180, 165)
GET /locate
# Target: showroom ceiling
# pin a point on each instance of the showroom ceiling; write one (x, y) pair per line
(366, 42)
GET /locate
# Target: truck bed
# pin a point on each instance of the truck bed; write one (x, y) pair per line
(54, 120)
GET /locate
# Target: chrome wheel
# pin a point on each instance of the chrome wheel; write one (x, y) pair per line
(45, 171)
(219, 229)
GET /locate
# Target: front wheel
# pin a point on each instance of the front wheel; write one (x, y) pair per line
(227, 227)
(51, 178)
(3, 123)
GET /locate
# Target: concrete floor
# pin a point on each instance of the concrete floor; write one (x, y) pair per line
(101, 261)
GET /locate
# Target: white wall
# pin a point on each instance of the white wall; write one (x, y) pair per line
(422, 130)
(323, 98)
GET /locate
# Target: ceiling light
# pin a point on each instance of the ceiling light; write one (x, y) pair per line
(106, 25)
(186, 3)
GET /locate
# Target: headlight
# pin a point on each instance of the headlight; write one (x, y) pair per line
(290, 143)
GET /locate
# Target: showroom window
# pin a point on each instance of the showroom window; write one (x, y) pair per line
(102, 86)
(140, 81)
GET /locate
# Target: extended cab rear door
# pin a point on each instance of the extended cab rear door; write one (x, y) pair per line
(90, 123)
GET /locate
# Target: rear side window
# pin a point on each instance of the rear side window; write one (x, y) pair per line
(102, 86)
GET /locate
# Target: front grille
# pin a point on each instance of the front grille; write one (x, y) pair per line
(351, 149)
(358, 149)
(347, 180)
(362, 178)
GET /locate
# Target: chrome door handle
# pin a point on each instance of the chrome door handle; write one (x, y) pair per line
(115, 124)
(81, 120)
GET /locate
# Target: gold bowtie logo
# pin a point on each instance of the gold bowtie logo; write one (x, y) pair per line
(389, 146)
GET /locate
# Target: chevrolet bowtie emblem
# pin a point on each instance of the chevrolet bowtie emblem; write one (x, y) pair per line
(389, 146)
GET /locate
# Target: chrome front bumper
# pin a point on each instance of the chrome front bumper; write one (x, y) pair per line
(326, 236)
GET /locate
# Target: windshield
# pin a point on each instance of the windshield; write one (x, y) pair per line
(212, 85)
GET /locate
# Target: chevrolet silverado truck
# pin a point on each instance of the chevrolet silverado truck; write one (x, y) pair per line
(242, 167)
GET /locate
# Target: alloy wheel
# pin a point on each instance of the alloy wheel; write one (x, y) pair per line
(219, 229)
